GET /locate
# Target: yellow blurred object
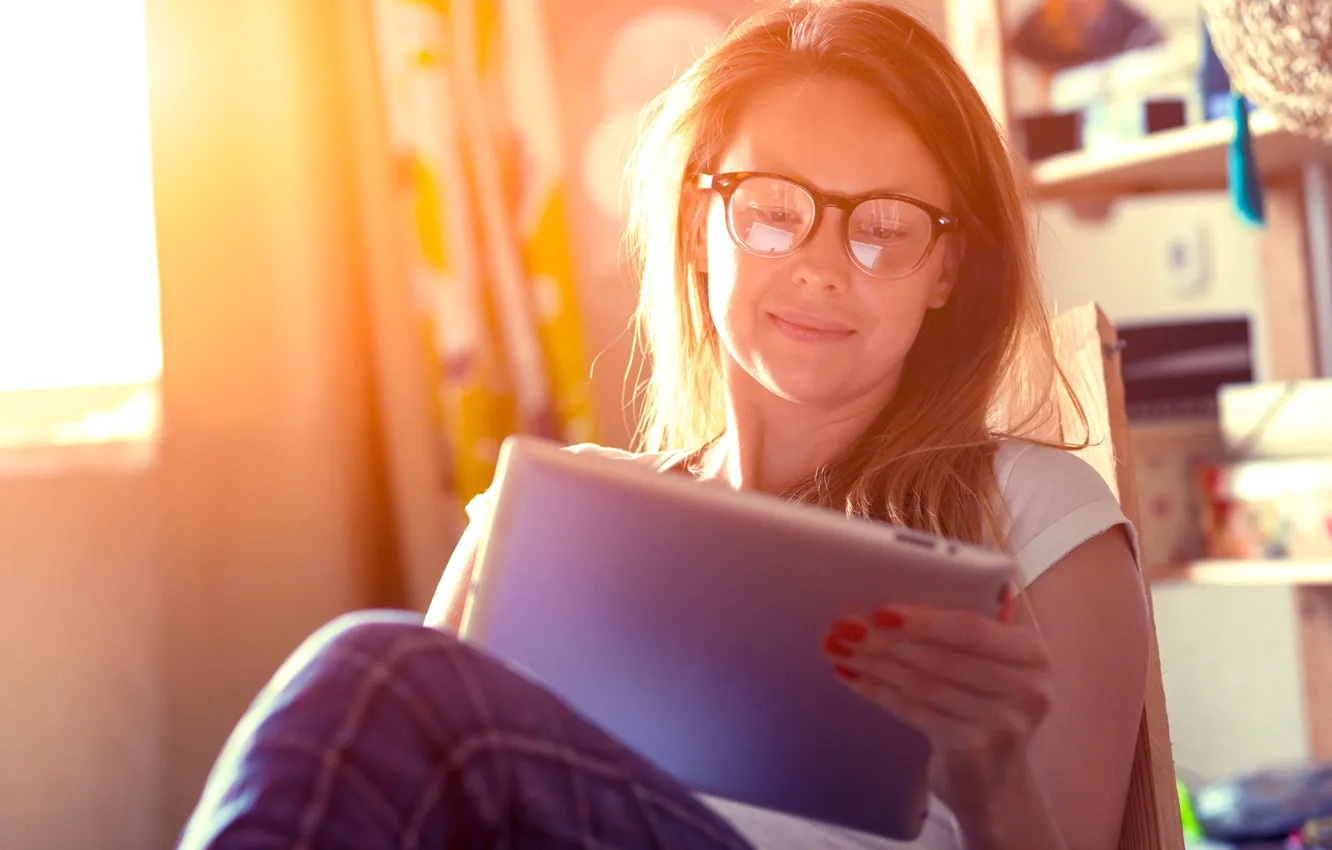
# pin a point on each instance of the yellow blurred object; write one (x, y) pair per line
(472, 110)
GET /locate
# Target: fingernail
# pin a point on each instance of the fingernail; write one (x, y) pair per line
(833, 646)
(846, 672)
(849, 630)
(1006, 607)
(886, 619)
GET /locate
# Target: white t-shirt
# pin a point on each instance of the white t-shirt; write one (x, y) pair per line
(1055, 502)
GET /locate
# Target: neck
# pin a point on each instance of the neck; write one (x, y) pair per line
(771, 444)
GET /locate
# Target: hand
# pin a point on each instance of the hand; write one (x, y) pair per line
(976, 688)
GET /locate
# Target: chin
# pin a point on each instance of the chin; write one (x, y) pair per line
(806, 390)
(818, 386)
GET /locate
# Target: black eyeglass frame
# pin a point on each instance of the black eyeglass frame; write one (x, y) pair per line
(725, 184)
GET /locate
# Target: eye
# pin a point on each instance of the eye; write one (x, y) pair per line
(887, 231)
(777, 215)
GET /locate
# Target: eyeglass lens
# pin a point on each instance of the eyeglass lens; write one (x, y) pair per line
(774, 217)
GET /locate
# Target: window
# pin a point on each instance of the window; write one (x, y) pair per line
(80, 348)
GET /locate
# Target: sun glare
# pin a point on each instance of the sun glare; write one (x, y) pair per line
(78, 267)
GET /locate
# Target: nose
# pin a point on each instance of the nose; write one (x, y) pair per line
(822, 262)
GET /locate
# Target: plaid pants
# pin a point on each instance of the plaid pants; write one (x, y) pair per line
(380, 733)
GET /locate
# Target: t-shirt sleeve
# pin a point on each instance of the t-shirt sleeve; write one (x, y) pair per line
(1056, 502)
(482, 507)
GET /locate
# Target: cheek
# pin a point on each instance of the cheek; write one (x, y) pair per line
(900, 307)
(924, 290)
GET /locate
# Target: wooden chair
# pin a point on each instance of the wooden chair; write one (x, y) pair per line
(1088, 347)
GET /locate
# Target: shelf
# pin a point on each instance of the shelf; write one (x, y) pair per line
(1189, 159)
(1248, 573)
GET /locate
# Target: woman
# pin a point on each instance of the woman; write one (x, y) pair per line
(837, 287)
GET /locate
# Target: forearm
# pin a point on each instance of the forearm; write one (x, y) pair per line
(450, 602)
(1019, 819)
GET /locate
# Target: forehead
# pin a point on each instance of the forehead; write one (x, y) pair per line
(837, 135)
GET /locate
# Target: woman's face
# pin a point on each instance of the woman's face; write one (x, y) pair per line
(814, 327)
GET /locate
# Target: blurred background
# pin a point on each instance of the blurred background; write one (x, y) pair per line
(277, 277)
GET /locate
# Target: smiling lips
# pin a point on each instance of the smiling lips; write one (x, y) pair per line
(804, 327)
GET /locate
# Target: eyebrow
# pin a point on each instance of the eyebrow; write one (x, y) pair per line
(892, 189)
(895, 187)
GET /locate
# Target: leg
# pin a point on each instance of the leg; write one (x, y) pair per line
(379, 732)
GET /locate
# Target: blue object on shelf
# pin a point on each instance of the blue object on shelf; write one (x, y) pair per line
(1246, 187)
(1219, 102)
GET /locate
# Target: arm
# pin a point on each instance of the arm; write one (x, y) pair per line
(1091, 612)
(1033, 723)
(450, 601)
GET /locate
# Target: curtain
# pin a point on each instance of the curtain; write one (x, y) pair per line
(294, 480)
(472, 118)
(361, 294)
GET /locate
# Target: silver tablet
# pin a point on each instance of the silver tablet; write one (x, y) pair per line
(687, 620)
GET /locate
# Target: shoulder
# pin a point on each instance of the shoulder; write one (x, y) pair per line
(482, 506)
(1054, 501)
(1018, 463)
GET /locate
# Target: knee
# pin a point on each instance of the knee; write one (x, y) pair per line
(366, 629)
(347, 658)
(360, 649)
(367, 635)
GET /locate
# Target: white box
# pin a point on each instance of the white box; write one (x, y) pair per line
(1277, 419)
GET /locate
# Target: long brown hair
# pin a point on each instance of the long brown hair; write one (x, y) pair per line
(928, 460)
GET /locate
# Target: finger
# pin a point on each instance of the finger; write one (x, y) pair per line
(940, 727)
(1005, 614)
(900, 683)
(854, 636)
(925, 718)
(983, 676)
(963, 631)
(947, 725)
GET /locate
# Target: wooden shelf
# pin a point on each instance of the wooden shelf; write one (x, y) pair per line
(1248, 573)
(1189, 159)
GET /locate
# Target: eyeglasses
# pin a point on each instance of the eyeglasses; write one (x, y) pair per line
(887, 236)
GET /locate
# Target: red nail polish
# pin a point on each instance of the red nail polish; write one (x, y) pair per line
(849, 630)
(833, 646)
(846, 672)
(886, 619)
(1006, 605)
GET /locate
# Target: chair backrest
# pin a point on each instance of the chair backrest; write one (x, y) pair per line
(1087, 345)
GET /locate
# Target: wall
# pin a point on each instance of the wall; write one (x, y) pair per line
(80, 650)
(1122, 263)
(1228, 654)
